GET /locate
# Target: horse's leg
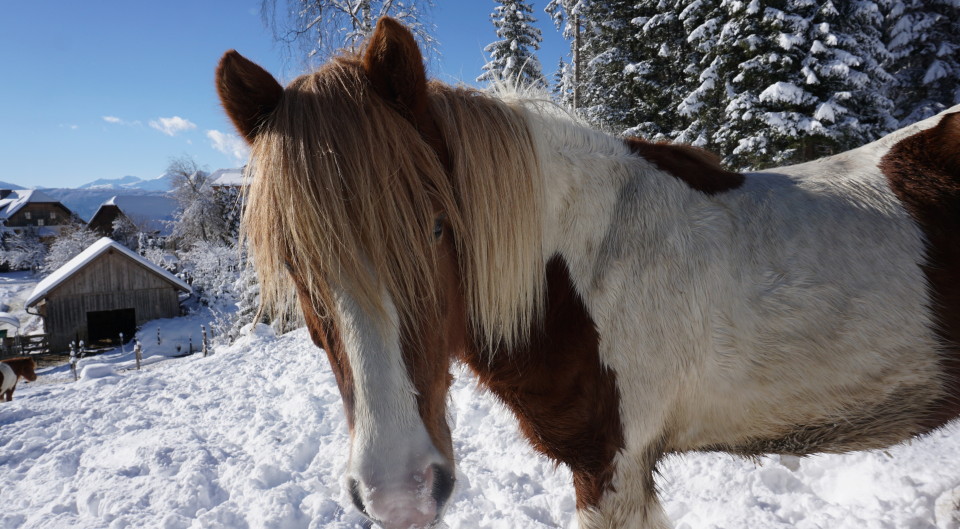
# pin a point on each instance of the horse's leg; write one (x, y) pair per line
(633, 502)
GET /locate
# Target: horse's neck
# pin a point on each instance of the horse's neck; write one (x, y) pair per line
(586, 175)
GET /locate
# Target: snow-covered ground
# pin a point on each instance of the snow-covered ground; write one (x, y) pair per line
(253, 436)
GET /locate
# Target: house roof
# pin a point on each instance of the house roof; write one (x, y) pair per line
(229, 177)
(9, 319)
(18, 198)
(148, 212)
(98, 248)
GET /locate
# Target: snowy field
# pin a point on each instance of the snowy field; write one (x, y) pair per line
(253, 437)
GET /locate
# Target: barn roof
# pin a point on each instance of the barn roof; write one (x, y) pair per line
(229, 178)
(85, 257)
(148, 212)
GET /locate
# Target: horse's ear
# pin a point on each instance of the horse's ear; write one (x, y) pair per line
(248, 93)
(395, 67)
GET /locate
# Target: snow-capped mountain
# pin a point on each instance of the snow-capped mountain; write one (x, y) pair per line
(160, 183)
(7, 185)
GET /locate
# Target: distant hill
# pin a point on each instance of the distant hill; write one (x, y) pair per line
(126, 183)
(84, 202)
(5, 185)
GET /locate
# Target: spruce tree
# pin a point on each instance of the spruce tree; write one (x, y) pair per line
(923, 39)
(655, 76)
(806, 80)
(609, 48)
(704, 92)
(512, 58)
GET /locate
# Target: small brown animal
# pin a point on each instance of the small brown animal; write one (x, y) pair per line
(10, 372)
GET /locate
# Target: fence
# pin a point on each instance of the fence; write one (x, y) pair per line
(30, 344)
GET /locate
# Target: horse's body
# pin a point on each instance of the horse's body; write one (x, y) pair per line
(636, 301)
(11, 370)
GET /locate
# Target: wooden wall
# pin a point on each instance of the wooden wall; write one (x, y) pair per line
(112, 281)
(52, 214)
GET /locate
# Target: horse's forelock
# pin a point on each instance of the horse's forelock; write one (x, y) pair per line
(344, 186)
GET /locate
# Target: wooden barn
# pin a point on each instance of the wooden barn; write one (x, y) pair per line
(105, 290)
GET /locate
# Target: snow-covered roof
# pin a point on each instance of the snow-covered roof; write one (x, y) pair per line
(85, 257)
(229, 177)
(148, 212)
(18, 198)
(9, 319)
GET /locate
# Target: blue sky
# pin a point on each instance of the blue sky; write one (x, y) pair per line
(110, 88)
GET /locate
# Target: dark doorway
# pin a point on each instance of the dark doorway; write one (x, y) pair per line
(105, 326)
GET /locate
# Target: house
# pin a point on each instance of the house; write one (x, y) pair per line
(150, 214)
(227, 179)
(105, 290)
(23, 210)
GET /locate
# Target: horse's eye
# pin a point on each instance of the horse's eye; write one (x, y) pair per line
(438, 228)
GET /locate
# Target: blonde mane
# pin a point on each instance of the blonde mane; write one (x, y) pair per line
(345, 188)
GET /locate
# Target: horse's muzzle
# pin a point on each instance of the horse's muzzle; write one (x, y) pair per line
(418, 503)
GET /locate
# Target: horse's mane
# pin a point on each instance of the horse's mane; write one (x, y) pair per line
(343, 183)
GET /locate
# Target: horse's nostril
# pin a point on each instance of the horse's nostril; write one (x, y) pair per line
(443, 481)
(354, 490)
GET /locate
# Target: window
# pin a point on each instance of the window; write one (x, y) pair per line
(26, 214)
(39, 222)
(53, 215)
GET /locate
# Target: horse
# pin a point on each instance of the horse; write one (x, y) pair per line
(625, 299)
(11, 370)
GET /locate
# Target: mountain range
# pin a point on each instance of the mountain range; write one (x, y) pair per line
(160, 183)
(84, 200)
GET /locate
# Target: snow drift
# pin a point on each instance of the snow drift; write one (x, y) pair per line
(254, 437)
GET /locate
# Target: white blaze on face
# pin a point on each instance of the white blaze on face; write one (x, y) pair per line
(392, 458)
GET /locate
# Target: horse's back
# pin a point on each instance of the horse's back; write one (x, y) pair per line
(846, 300)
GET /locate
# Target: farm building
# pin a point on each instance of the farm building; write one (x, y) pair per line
(105, 290)
(31, 210)
(149, 214)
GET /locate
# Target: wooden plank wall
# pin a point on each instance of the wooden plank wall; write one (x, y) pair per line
(112, 281)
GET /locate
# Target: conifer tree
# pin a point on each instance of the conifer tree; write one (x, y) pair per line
(923, 39)
(706, 87)
(512, 58)
(805, 80)
(655, 75)
(609, 46)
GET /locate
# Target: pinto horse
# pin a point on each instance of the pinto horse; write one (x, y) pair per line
(11, 370)
(624, 299)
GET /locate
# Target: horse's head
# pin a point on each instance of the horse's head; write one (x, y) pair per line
(351, 207)
(27, 369)
(366, 202)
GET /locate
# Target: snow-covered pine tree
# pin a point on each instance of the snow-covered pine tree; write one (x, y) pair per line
(701, 106)
(512, 57)
(563, 80)
(609, 48)
(657, 75)
(566, 18)
(923, 38)
(805, 80)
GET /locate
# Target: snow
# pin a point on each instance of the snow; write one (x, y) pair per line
(88, 255)
(229, 177)
(784, 92)
(253, 436)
